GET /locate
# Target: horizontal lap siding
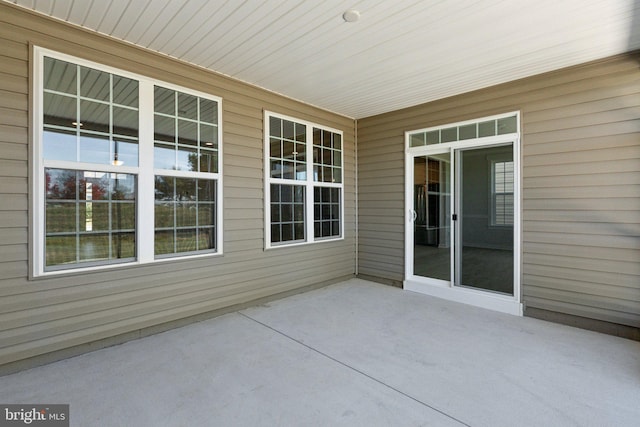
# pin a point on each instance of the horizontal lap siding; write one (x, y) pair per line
(581, 185)
(45, 315)
(380, 202)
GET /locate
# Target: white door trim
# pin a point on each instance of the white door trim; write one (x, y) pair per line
(447, 289)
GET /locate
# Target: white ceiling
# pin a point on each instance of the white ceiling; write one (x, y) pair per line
(400, 53)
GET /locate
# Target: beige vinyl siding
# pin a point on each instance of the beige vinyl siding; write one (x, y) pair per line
(580, 178)
(380, 202)
(49, 314)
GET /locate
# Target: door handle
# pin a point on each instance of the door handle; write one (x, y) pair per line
(454, 217)
(414, 215)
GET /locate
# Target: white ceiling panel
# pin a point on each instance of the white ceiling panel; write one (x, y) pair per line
(156, 15)
(79, 13)
(400, 53)
(95, 14)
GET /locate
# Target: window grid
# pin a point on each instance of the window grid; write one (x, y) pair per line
(185, 215)
(297, 210)
(287, 213)
(326, 214)
(327, 156)
(185, 131)
(90, 217)
(487, 128)
(503, 185)
(287, 149)
(83, 119)
(90, 114)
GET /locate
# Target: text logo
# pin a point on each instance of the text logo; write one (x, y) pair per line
(34, 415)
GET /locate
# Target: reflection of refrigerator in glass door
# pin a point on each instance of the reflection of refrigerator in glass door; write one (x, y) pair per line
(432, 204)
(443, 207)
(433, 201)
(420, 208)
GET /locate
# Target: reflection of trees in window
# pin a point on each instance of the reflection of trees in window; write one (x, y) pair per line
(90, 216)
(185, 131)
(64, 184)
(186, 142)
(207, 161)
(89, 115)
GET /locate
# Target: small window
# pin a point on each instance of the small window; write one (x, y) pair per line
(99, 169)
(303, 181)
(287, 213)
(185, 215)
(185, 132)
(502, 193)
(499, 125)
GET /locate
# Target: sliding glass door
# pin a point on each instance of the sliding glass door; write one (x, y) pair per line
(484, 226)
(462, 231)
(432, 216)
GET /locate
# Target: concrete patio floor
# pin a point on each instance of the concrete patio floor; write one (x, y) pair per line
(355, 353)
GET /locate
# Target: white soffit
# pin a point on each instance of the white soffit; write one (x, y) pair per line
(400, 53)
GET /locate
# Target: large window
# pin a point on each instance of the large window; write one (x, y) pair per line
(112, 151)
(304, 181)
(186, 146)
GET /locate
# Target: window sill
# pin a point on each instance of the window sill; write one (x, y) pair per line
(117, 267)
(289, 245)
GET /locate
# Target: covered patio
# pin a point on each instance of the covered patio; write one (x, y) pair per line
(354, 353)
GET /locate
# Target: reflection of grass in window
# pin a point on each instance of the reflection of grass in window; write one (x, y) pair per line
(96, 219)
(164, 242)
(124, 215)
(61, 217)
(185, 214)
(164, 215)
(94, 247)
(206, 239)
(61, 250)
(186, 241)
(123, 245)
(205, 214)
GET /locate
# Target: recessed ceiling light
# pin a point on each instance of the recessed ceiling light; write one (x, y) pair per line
(351, 15)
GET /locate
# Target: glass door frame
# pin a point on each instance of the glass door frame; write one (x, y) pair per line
(511, 304)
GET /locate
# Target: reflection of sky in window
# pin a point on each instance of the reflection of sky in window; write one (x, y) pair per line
(127, 152)
(164, 158)
(94, 149)
(59, 145)
(125, 183)
(187, 160)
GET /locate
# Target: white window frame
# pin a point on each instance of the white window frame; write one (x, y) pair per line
(309, 184)
(145, 171)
